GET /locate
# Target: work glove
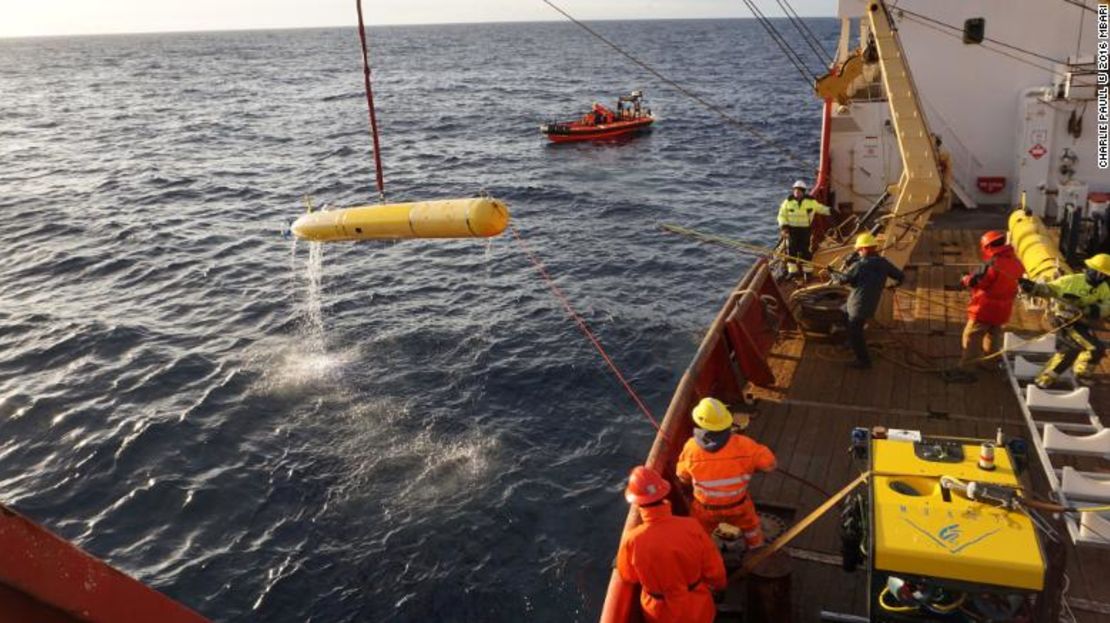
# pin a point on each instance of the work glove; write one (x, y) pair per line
(1026, 285)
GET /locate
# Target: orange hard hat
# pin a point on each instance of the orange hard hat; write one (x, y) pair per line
(645, 486)
(992, 238)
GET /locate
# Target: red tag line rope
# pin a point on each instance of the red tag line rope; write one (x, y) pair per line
(585, 328)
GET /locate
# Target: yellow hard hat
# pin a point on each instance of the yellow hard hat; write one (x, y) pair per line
(712, 414)
(1100, 262)
(866, 240)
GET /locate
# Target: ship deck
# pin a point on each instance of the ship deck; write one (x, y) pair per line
(807, 417)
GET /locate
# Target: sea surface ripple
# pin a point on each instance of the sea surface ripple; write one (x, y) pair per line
(369, 432)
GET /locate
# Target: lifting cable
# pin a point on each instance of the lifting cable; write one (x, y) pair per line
(791, 54)
(811, 39)
(684, 91)
(370, 103)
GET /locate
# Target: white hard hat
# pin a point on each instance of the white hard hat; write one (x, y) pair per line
(800, 184)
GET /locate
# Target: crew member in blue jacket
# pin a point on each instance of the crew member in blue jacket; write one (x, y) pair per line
(867, 275)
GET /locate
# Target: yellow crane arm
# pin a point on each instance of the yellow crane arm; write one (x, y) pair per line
(836, 85)
(921, 185)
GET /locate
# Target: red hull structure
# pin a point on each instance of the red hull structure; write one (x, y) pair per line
(45, 579)
(576, 131)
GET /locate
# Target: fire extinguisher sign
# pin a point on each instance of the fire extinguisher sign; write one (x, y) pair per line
(1103, 66)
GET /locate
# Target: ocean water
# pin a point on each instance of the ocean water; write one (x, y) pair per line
(414, 431)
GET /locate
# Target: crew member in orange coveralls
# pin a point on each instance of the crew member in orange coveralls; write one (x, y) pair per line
(719, 464)
(672, 559)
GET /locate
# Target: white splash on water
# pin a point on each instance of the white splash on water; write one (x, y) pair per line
(373, 435)
(312, 313)
(304, 359)
(293, 267)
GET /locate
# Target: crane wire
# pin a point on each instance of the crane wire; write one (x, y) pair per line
(730, 119)
(808, 76)
(747, 127)
(811, 39)
(370, 103)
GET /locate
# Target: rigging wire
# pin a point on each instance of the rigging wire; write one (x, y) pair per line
(370, 103)
(1080, 4)
(795, 59)
(985, 47)
(995, 41)
(811, 39)
(747, 127)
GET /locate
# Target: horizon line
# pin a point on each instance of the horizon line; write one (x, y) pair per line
(328, 27)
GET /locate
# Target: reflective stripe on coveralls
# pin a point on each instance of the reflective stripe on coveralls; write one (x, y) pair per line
(720, 480)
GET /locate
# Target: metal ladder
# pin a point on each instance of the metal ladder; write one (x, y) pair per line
(1070, 487)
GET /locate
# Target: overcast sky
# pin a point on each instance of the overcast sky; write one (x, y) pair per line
(21, 18)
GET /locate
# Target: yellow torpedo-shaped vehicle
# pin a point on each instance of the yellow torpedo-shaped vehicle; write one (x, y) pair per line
(1036, 247)
(478, 217)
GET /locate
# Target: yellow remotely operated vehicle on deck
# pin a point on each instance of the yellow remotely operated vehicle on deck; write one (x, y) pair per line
(944, 530)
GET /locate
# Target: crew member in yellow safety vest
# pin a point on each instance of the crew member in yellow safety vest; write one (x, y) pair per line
(1078, 299)
(795, 219)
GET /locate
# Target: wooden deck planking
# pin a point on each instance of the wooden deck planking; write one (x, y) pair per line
(806, 436)
(769, 434)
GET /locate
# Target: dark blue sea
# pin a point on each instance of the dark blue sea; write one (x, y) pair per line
(399, 432)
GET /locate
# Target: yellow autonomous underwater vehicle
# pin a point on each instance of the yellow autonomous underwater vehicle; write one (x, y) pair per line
(478, 217)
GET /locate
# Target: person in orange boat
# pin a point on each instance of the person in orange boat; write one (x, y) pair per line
(718, 464)
(673, 560)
